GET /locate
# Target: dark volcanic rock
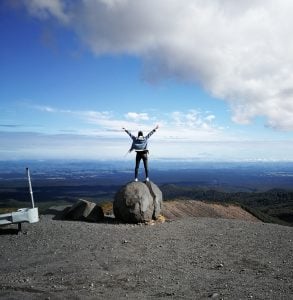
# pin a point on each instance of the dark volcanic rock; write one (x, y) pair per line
(84, 210)
(138, 202)
(157, 197)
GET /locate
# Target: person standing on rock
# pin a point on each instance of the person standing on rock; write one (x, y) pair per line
(140, 144)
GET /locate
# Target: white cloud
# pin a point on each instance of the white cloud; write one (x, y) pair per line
(190, 125)
(44, 9)
(137, 116)
(210, 118)
(44, 108)
(239, 51)
(193, 119)
(106, 122)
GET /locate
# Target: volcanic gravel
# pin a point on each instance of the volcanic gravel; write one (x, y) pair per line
(188, 258)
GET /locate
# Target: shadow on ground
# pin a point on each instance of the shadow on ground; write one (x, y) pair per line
(59, 216)
(9, 230)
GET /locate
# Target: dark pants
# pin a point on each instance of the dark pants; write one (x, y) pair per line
(144, 156)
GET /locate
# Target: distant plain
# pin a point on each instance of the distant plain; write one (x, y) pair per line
(263, 188)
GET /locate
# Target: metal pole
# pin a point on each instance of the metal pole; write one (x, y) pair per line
(30, 186)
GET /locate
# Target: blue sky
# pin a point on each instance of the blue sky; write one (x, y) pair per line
(73, 73)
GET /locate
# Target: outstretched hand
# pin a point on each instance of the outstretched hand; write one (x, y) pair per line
(157, 127)
(123, 128)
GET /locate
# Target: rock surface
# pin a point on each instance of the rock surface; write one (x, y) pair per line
(84, 210)
(138, 202)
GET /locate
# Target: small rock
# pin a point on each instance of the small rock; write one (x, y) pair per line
(214, 295)
(219, 266)
(84, 210)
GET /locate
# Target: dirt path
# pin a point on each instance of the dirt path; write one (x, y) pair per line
(190, 258)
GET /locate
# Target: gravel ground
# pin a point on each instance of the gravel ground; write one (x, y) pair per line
(190, 258)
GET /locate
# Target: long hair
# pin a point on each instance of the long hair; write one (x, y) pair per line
(140, 133)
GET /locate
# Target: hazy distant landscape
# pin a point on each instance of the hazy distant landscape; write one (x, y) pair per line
(263, 188)
(236, 176)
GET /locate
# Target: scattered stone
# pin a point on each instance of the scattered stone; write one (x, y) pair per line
(84, 210)
(219, 266)
(214, 295)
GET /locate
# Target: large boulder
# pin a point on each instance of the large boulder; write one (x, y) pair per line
(138, 202)
(84, 210)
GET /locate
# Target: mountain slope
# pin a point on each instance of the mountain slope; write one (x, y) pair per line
(192, 208)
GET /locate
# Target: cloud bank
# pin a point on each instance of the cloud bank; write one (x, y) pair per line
(239, 51)
(28, 145)
(188, 125)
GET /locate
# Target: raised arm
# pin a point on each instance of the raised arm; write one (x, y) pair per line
(131, 136)
(152, 132)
